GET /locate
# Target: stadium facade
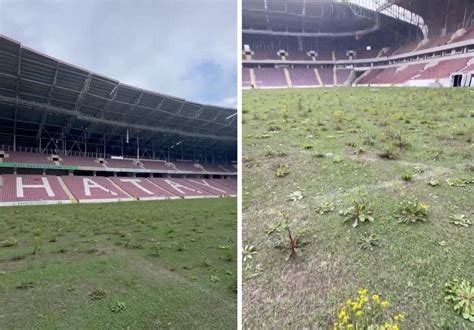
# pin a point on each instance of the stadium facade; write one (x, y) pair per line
(313, 43)
(70, 135)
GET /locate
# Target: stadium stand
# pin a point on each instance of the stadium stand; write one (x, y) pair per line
(393, 43)
(26, 189)
(444, 68)
(342, 75)
(182, 188)
(327, 76)
(143, 189)
(120, 163)
(95, 189)
(303, 77)
(26, 158)
(80, 161)
(270, 77)
(73, 136)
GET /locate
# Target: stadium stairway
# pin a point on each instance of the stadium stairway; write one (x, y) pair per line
(120, 188)
(288, 78)
(252, 77)
(66, 190)
(318, 77)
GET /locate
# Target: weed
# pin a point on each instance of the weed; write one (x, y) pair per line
(181, 247)
(214, 278)
(324, 207)
(118, 306)
(434, 182)
(206, 263)
(388, 152)
(458, 182)
(128, 238)
(9, 242)
(36, 244)
(398, 139)
(17, 258)
(368, 241)
(25, 285)
(248, 251)
(97, 294)
(91, 250)
(368, 139)
(460, 220)
(360, 211)
(295, 196)
(411, 210)
(407, 175)
(461, 295)
(282, 170)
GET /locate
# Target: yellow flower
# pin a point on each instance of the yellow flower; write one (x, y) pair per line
(384, 304)
(399, 317)
(362, 292)
(356, 305)
(360, 313)
(376, 298)
(350, 326)
(395, 327)
(349, 301)
(342, 314)
(387, 325)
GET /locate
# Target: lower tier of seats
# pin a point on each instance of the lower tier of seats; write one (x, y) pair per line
(50, 189)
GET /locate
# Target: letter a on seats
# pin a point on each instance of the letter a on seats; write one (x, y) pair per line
(20, 187)
(136, 183)
(89, 183)
(206, 184)
(176, 186)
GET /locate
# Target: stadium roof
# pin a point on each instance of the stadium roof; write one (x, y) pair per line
(319, 18)
(51, 92)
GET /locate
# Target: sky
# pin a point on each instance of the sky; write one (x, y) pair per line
(183, 48)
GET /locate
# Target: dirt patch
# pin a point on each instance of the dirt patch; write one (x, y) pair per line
(298, 297)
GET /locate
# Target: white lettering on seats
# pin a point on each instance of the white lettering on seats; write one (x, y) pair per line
(88, 184)
(136, 183)
(20, 187)
(205, 183)
(176, 186)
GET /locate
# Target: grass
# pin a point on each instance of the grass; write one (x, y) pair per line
(120, 265)
(336, 141)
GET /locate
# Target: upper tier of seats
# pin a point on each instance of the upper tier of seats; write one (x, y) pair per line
(178, 166)
(341, 54)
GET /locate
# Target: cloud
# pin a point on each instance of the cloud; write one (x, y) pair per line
(184, 48)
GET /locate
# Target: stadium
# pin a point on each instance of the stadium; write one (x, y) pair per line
(69, 135)
(294, 44)
(357, 164)
(148, 236)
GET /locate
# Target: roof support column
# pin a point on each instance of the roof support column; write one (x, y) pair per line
(14, 129)
(85, 142)
(63, 138)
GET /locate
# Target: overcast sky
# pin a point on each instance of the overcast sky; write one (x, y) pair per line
(185, 48)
